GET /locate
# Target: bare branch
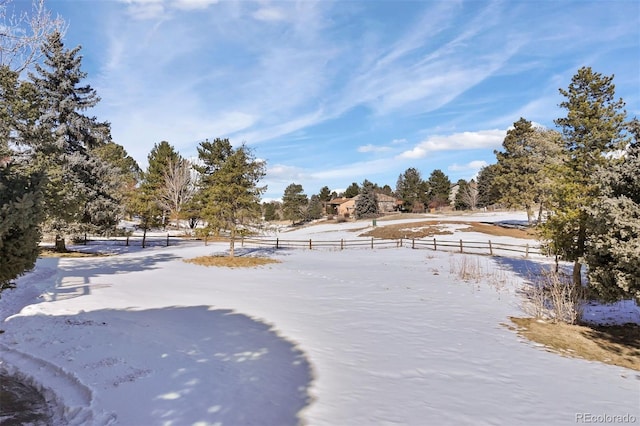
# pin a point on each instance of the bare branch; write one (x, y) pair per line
(22, 34)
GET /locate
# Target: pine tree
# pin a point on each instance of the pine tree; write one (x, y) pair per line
(367, 201)
(294, 203)
(439, 189)
(612, 252)
(488, 191)
(77, 186)
(325, 196)
(315, 208)
(270, 211)
(411, 189)
(352, 190)
(524, 166)
(593, 129)
(229, 187)
(20, 216)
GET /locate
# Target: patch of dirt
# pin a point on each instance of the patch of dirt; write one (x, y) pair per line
(231, 262)
(615, 345)
(430, 228)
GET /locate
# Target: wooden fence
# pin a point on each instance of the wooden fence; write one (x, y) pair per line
(472, 247)
(133, 240)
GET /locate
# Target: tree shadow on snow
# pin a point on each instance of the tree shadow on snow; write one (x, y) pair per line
(73, 278)
(179, 365)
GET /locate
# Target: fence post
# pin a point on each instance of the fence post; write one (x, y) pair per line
(526, 253)
(310, 248)
(460, 246)
(435, 245)
(127, 241)
(413, 243)
(490, 248)
(277, 243)
(401, 244)
(341, 243)
(371, 243)
(167, 240)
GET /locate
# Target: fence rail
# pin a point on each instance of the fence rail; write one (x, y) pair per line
(461, 246)
(471, 247)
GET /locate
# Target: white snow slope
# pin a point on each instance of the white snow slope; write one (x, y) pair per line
(327, 337)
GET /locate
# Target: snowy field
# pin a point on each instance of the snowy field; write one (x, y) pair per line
(326, 337)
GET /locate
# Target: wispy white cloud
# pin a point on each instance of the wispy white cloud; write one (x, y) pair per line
(193, 4)
(373, 148)
(350, 75)
(269, 14)
(458, 141)
(470, 166)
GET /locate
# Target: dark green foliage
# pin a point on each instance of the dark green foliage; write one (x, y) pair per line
(525, 166)
(367, 202)
(439, 188)
(270, 211)
(488, 191)
(325, 194)
(612, 252)
(314, 209)
(352, 190)
(229, 190)
(79, 186)
(294, 203)
(594, 127)
(20, 217)
(411, 189)
(162, 155)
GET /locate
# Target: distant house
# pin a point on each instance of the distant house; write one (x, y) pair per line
(347, 206)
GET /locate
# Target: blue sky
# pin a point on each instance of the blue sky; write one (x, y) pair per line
(334, 92)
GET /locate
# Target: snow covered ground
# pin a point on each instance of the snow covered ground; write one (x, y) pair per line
(327, 337)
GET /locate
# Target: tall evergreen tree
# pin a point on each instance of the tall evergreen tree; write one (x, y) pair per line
(525, 164)
(411, 189)
(367, 201)
(592, 130)
(325, 196)
(270, 211)
(314, 208)
(294, 203)
(352, 190)
(439, 189)
(229, 186)
(488, 191)
(20, 216)
(612, 251)
(77, 188)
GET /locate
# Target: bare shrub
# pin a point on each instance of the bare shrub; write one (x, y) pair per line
(552, 295)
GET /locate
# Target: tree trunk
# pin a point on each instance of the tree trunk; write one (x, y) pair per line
(577, 274)
(540, 213)
(529, 214)
(232, 243)
(144, 236)
(60, 245)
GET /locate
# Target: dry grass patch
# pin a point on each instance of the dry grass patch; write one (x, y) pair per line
(231, 262)
(50, 252)
(407, 230)
(497, 230)
(424, 229)
(615, 345)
